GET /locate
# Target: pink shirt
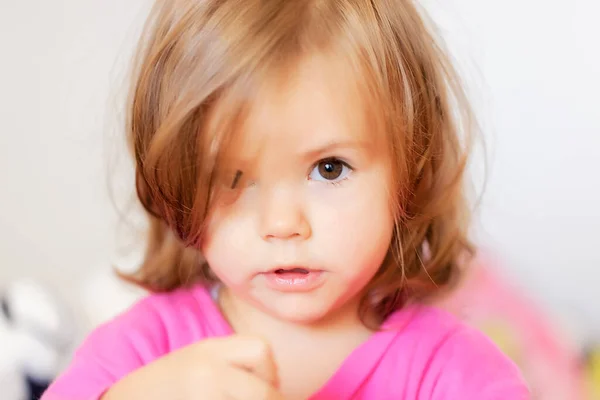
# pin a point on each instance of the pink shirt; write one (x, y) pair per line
(422, 353)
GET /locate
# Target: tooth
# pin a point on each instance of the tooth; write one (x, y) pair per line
(300, 270)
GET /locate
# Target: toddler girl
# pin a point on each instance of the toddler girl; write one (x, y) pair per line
(302, 165)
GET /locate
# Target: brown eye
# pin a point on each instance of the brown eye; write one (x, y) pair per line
(330, 170)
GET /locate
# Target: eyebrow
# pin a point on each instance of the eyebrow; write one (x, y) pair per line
(333, 146)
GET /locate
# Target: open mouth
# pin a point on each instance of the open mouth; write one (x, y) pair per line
(282, 271)
(294, 279)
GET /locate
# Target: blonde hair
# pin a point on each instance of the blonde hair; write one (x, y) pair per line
(204, 57)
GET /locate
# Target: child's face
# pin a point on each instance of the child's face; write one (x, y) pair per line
(313, 222)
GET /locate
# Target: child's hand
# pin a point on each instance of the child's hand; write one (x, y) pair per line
(232, 367)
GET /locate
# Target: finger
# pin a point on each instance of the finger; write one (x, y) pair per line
(249, 353)
(242, 384)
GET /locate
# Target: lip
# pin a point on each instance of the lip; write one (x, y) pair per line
(293, 281)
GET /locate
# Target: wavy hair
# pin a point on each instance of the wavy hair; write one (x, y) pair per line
(201, 58)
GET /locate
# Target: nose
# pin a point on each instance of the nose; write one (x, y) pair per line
(283, 217)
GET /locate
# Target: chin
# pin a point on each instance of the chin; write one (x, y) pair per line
(299, 310)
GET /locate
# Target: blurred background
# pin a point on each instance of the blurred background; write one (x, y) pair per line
(531, 66)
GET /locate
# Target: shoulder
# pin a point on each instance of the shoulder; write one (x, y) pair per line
(149, 329)
(158, 323)
(450, 359)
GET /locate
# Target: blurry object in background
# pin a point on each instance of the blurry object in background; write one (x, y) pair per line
(36, 333)
(593, 372)
(11, 378)
(548, 359)
(104, 295)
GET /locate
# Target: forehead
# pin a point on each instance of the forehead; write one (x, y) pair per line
(316, 104)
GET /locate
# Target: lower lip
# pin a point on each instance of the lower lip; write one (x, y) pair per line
(294, 281)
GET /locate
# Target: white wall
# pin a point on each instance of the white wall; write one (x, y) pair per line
(538, 64)
(534, 64)
(61, 74)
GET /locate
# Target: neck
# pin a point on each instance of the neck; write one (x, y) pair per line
(296, 346)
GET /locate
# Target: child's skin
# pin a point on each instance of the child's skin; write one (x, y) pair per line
(235, 367)
(315, 195)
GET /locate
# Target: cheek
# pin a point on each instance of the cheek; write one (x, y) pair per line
(225, 248)
(355, 224)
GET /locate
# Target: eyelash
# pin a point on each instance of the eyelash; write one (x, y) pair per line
(239, 173)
